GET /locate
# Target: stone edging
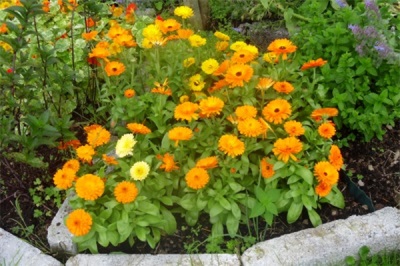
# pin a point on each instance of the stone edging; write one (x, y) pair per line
(326, 244)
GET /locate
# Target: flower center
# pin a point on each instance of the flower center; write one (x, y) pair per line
(238, 74)
(276, 110)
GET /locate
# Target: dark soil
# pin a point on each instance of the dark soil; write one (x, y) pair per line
(373, 166)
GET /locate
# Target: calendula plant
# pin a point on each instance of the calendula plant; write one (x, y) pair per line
(199, 124)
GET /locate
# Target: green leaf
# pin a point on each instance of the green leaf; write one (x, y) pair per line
(141, 233)
(294, 212)
(216, 209)
(257, 210)
(307, 201)
(113, 237)
(232, 225)
(103, 239)
(224, 203)
(170, 222)
(314, 217)
(305, 173)
(191, 217)
(335, 198)
(148, 207)
(236, 210)
(278, 165)
(188, 201)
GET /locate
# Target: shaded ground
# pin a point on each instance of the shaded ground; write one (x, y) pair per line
(374, 166)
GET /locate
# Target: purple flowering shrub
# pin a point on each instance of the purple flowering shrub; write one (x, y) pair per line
(361, 43)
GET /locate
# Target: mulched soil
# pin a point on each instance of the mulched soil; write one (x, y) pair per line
(377, 162)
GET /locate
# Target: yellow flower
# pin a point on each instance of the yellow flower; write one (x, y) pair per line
(277, 110)
(208, 162)
(221, 46)
(125, 192)
(286, 148)
(209, 65)
(221, 36)
(197, 41)
(114, 68)
(189, 61)
(211, 106)
(85, 153)
(125, 145)
(294, 128)
(238, 45)
(64, 178)
(152, 31)
(139, 170)
(186, 111)
(89, 187)
(250, 127)
(196, 82)
(180, 133)
(231, 145)
(183, 11)
(197, 178)
(138, 128)
(79, 222)
(326, 172)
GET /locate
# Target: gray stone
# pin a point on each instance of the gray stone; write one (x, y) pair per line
(156, 260)
(58, 236)
(14, 251)
(330, 243)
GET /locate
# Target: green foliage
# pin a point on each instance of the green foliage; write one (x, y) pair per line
(383, 258)
(362, 83)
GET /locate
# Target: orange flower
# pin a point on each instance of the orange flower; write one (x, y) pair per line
(125, 192)
(218, 85)
(286, 148)
(211, 106)
(283, 87)
(267, 169)
(335, 157)
(313, 63)
(72, 164)
(265, 83)
(129, 93)
(294, 128)
(90, 22)
(168, 162)
(323, 189)
(85, 153)
(223, 67)
(277, 110)
(109, 160)
(231, 145)
(162, 88)
(327, 130)
(250, 127)
(282, 46)
(326, 172)
(180, 133)
(197, 178)
(169, 25)
(88, 36)
(100, 50)
(89, 187)
(236, 75)
(114, 68)
(70, 143)
(242, 56)
(208, 162)
(79, 222)
(186, 111)
(138, 128)
(46, 6)
(246, 111)
(221, 45)
(63, 178)
(318, 114)
(185, 33)
(98, 136)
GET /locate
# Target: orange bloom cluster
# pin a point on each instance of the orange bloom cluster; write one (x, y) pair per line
(168, 164)
(138, 128)
(79, 222)
(231, 145)
(327, 176)
(313, 63)
(197, 178)
(286, 148)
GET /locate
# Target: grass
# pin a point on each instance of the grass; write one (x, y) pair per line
(383, 258)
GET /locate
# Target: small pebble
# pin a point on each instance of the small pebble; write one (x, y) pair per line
(370, 167)
(334, 212)
(360, 183)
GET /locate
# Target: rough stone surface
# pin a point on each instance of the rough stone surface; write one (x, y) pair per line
(58, 236)
(330, 243)
(156, 260)
(14, 251)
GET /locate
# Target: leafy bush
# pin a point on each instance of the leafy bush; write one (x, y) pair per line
(361, 44)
